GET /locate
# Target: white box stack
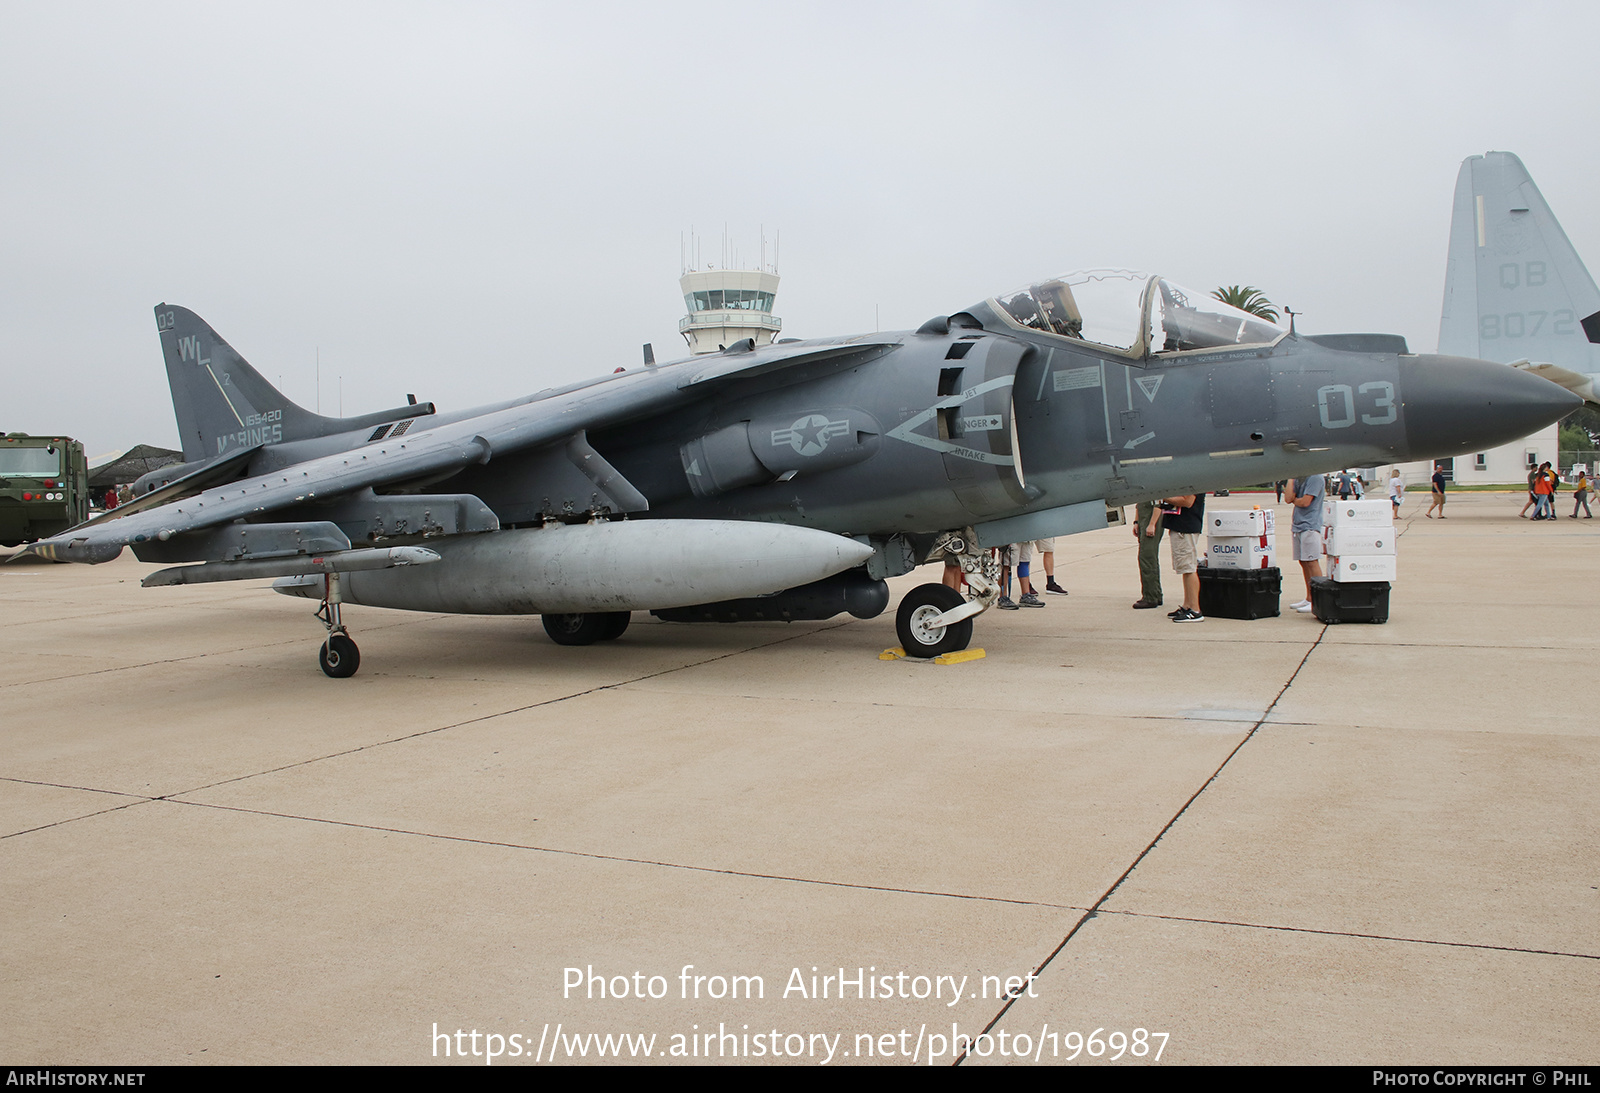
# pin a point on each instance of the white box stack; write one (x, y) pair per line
(1367, 514)
(1354, 568)
(1251, 522)
(1241, 539)
(1344, 539)
(1359, 540)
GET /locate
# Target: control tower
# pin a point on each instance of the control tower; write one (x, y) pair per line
(729, 305)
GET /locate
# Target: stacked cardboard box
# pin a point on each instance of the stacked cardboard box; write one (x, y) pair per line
(1358, 538)
(1242, 539)
(1239, 576)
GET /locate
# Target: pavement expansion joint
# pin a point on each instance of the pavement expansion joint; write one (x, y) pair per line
(1351, 933)
(481, 718)
(620, 858)
(1140, 857)
(75, 819)
(85, 789)
(149, 664)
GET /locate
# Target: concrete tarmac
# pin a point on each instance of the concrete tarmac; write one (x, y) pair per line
(1257, 842)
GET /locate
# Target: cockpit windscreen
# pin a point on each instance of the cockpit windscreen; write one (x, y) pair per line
(1098, 305)
(1108, 306)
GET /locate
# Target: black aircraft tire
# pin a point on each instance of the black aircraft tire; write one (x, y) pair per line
(924, 601)
(575, 629)
(339, 656)
(616, 623)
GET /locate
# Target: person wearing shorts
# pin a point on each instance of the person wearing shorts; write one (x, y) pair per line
(1184, 520)
(1305, 494)
(1047, 551)
(1014, 559)
(1437, 481)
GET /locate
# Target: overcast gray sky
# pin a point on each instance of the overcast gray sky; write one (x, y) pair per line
(471, 201)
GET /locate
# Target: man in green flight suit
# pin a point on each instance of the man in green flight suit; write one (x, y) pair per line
(1147, 529)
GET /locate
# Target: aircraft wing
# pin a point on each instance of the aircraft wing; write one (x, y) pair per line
(418, 454)
(740, 363)
(433, 452)
(220, 470)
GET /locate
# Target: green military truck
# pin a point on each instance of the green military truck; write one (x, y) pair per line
(44, 487)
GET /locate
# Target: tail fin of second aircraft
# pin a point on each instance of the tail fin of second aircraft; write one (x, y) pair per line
(1515, 288)
(223, 404)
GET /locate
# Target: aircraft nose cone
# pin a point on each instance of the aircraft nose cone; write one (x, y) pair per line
(1457, 405)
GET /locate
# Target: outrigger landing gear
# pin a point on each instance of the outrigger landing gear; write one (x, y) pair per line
(339, 656)
(935, 619)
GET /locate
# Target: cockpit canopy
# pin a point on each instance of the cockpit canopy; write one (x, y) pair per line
(1133, 312)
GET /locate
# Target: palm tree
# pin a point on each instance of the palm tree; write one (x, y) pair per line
(1248, 298)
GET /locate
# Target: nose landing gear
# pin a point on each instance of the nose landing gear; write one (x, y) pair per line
(935, 619)
(920, 635)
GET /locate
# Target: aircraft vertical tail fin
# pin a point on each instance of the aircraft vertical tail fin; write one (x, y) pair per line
(221, 402)
(1515, 288)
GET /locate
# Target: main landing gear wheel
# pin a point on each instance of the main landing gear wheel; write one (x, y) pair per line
(340, 658)
(577, 629)
(616, 623)
(926, 602)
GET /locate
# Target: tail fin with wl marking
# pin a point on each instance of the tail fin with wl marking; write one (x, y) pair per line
(1515, 287)
(223, 404)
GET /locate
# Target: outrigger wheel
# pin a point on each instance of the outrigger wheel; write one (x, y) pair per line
(925, 602)
(339, 656)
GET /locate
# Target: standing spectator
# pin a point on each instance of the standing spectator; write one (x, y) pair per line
(1007, 557)
(1046, 549)
(1397, 491)
(1023, 553)
(1438, 492)
(1147, 528)
(1305, 530)
(1184, 520)
(1543, 491)
(953, 576)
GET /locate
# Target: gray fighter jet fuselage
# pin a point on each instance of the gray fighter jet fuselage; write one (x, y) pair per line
(787, 481)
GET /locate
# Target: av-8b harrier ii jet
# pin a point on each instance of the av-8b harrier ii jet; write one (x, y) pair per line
(786, 482)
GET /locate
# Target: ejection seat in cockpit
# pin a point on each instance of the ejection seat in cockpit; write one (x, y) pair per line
(1058, 309)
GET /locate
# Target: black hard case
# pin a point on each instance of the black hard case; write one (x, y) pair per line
(1239, 593)
(1349, 601)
